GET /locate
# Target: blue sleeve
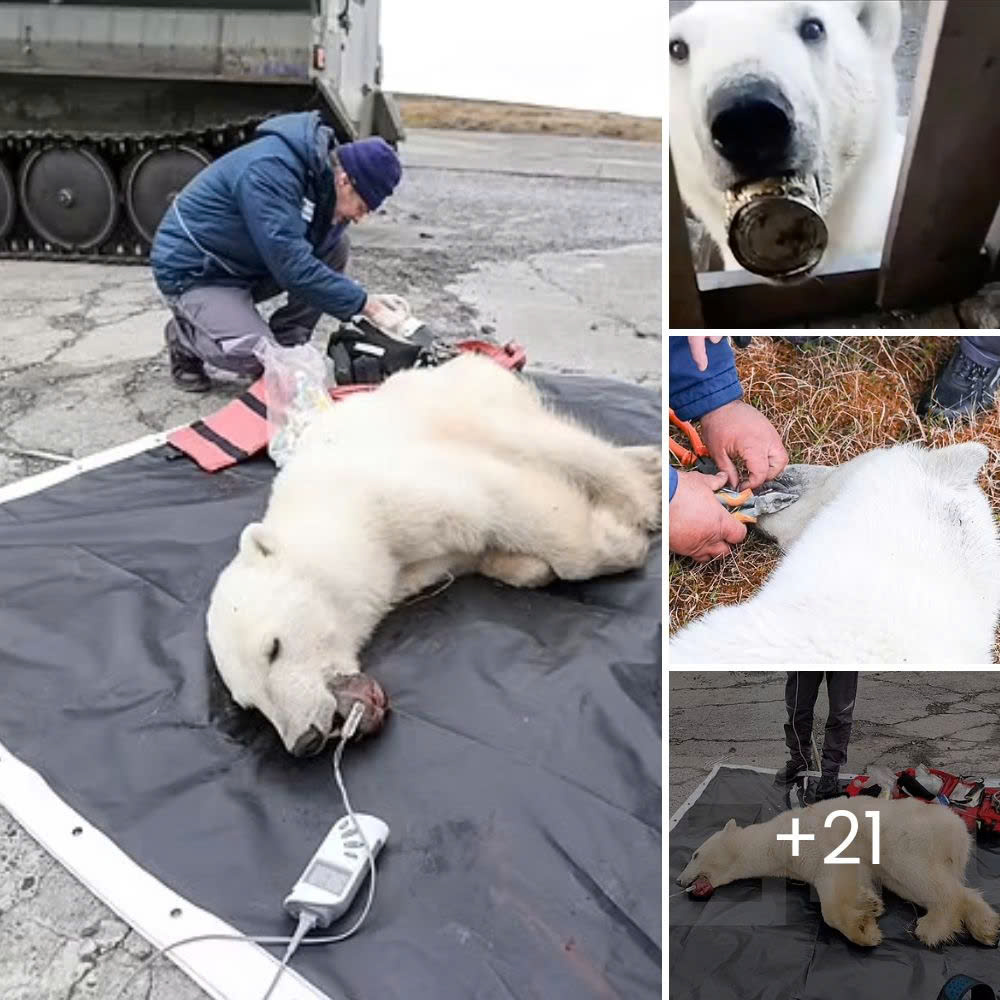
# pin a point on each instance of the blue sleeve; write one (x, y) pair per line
(693, 393)
(673, 482)
(270, 198)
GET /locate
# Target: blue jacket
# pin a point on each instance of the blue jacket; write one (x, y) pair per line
(694, 393)
(263, 211)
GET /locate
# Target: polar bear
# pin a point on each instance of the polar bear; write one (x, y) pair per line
(892, 557)
(923, 850)
(776, 87)
(439, 472)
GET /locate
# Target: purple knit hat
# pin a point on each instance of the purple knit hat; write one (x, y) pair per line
(373, 168)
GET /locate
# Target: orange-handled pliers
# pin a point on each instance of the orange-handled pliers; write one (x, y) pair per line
(697, 459)
(739, 502)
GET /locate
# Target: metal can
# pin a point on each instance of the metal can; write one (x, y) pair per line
(775, 229)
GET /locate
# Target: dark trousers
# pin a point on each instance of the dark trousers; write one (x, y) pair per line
(219, 324)
(295, 321)
(801, 691)
(982, 350)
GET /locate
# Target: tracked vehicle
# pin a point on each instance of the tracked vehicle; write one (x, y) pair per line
(108, 109)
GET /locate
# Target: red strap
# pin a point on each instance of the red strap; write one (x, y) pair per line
(511, 355)
(231, 435)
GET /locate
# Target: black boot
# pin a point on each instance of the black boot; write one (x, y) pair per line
(791, 772)
(828, 787)
(965, 387)
(187, 371)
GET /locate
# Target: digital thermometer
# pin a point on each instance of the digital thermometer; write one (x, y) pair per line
(335, 873)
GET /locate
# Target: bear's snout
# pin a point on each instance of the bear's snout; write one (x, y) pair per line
(309, 743)
(752, 124)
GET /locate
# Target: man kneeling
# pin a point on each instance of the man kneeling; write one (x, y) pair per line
(268, 217)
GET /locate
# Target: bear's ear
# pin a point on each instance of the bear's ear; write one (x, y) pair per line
(881, 21)
(958, 464)
(256, 541)
(731, 825)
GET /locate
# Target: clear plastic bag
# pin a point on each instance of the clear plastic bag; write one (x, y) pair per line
(296, 381)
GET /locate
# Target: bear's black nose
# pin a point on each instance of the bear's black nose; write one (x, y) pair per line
(752, 124)
(309, 743)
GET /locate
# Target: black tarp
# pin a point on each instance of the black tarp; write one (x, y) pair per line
(764, 939)
(520, 780)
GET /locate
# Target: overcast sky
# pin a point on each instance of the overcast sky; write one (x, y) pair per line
(603, 55)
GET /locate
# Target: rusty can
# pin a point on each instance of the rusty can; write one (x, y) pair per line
(775, 228)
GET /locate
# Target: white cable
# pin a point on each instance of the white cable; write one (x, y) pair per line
(306, 920)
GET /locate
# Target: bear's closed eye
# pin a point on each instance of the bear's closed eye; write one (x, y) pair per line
(274, 651)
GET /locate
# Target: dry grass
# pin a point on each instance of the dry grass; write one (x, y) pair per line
(423, 111)
(831, 402)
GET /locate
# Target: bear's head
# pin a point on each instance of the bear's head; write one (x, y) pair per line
(716, 863)
(285, 638)
(940, 483)
(770, 88)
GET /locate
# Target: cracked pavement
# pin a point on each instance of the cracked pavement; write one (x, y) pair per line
(946, 719)
(552, 241)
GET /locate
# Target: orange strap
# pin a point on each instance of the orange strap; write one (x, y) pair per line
(231, 435)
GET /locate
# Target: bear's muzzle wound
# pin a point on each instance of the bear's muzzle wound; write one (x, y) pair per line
(701, 888)
(775, 229)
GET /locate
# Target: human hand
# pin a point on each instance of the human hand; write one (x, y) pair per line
(736, 429)
(699, 352)
(393, 301)
(388, 312)
(700, 527)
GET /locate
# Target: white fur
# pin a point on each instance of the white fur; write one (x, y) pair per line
(439, 472)
(923, 853)
(842, 91)
(892, 557)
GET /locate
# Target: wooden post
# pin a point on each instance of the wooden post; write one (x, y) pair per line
(993, 247)
(741, 301)
(949, 185)
(684, 302)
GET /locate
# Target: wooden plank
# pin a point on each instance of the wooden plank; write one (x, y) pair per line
(684, 305)
(949, 185)
(740, 300)
(943, 317)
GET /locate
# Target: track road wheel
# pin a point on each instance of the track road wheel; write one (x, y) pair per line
(8, 201)
(152, 181)
(69, 196)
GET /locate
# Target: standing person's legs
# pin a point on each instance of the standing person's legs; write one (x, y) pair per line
(216, 325)
(842, 689)
(295, 321)
(968, 384)
(801, 691)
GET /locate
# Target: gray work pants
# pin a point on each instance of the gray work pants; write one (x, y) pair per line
(220, 325)
(801, 691)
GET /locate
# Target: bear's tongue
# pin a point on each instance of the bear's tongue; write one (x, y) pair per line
(701, 888)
